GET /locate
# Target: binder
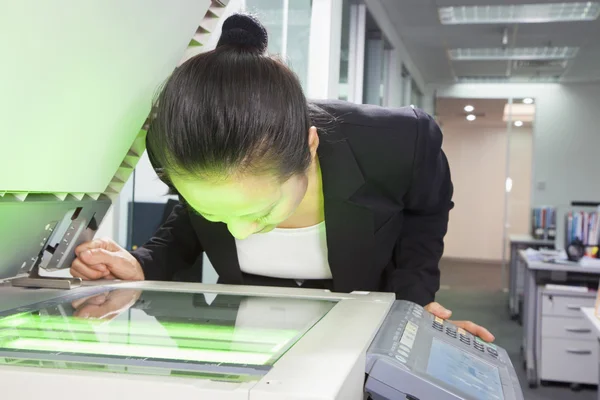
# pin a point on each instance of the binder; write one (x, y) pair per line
(584, 226)
(543, 223)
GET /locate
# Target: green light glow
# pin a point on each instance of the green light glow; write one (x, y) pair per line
(14, 320)
(178, 341)
(129, 350)
(57, 336)
(173, 329)
(141, 340)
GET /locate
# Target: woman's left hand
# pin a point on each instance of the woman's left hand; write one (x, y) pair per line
(439, 311)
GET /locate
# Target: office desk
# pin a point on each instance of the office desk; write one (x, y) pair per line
(589, 314)
(565, 351)
(516, 270)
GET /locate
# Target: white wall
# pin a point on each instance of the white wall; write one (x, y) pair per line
(477, 158)
(566, 137)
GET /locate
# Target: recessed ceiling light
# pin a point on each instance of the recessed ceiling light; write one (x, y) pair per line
(520, 13)
(528, 100)
(518, 124)
(471, 117)
(516, 53)
(509, 184)
(412, 106)
(469, 108)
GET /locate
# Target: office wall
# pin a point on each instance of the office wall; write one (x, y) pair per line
(477, 158)
(566, 139)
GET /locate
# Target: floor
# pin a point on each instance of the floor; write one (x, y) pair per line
(473, 291)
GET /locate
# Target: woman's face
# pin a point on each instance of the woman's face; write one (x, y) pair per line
(248, 205)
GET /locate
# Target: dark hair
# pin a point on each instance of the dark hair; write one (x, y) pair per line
(232, 110)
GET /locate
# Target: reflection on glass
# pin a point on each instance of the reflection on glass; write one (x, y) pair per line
(176, 331)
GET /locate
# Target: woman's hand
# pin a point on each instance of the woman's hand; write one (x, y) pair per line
(104, 259)
(106, 306)
(439, 311)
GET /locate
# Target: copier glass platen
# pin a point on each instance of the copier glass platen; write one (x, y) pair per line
(129, 333)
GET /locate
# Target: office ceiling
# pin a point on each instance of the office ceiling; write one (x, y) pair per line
(428, 42)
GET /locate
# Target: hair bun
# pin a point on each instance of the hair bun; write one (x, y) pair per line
(243, 30)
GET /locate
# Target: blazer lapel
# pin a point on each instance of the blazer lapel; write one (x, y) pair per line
(349, 224)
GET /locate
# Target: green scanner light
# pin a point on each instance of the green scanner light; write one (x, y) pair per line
(141, 351)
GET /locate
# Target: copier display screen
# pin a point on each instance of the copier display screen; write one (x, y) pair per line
(464, 371)
(169, 330)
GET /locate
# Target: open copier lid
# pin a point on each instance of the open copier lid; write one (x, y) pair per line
(77, 82)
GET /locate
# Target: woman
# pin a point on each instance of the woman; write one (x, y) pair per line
(278, 191)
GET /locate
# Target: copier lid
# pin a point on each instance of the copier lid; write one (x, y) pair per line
(127, 330)
(76, 83)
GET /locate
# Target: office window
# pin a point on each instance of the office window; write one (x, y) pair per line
(288, 25)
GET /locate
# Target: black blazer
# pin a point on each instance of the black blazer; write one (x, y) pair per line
(387, 191)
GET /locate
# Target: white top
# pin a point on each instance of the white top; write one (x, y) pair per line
(299, 253)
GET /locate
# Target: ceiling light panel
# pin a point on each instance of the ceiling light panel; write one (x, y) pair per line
(520, 13)
(507, 79)
(516, 53)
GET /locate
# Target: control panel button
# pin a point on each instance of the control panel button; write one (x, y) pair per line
(401, 359)
(438, 324)
(409, 335)
(493, 352)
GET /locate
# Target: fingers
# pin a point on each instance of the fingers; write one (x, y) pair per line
(104, 243)
(92, 311)
(476, 330)
(98, 299)
(81, 270)
(438, 310)
(99, 257)
(103, 258)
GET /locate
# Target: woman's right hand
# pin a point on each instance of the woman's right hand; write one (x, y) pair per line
(105, 259)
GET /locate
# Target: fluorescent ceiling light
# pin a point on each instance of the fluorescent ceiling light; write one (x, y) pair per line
(520, 13)
(471, 117)
(469, 108)
(516, 53)
(506, 79)
(518, 124)
(528, 100)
